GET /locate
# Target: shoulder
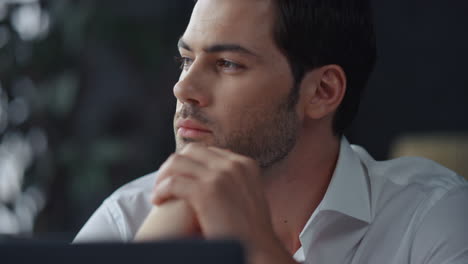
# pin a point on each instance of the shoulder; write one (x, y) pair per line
(414, 172)
(133, 198)
(120, 215)
(137, 187)
(130, 204)
(419, 205)
(414, 182)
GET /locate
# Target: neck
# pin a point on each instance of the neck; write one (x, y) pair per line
(295, 186)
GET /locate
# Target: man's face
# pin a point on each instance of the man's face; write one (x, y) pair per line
(235, 88)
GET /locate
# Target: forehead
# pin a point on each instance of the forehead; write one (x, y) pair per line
(245, 22)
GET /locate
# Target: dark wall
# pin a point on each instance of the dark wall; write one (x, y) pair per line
(420, 84)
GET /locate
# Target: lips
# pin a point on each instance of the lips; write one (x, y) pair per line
(192, 129)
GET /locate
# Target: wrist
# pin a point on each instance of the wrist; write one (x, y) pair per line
(173, 219)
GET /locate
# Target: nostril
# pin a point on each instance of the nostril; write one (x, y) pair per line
(193, 101)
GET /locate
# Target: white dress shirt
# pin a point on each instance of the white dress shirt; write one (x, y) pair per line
(407, 210)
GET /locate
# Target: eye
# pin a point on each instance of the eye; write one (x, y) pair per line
(229, 65)
(184, 62)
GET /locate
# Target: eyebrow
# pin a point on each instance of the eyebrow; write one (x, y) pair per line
(219, 48)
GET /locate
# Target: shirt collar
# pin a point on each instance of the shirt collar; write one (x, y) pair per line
(348, 192)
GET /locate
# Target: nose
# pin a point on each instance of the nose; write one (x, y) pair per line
(192, 88)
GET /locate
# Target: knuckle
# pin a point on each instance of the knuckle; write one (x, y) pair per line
(166, 185)
(169, 164)
(233, 165)
(251, 165)
(214, 185)
(249, 162)
(239, 166)
(171, 182)
(173, 158)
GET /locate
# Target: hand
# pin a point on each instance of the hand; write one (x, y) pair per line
(225, 192)
(223, 189)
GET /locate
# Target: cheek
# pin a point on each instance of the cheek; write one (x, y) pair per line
(256, 87)
(245, 114)
(242, 98)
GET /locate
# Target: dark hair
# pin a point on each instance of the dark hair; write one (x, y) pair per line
(314, 33)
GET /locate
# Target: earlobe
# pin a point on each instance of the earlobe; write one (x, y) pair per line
(325, 88)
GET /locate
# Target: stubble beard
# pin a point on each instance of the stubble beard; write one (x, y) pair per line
(263, 135)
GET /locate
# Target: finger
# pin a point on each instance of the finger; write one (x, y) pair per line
(228, 154)
(174, 188)
(221, 151)
(202, 154)
(225, 153)
(179, 164)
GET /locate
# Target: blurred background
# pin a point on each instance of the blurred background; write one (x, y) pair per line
(86, 100)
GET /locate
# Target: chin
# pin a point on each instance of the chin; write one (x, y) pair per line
(182, 142)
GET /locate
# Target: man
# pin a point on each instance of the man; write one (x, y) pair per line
(267, 88)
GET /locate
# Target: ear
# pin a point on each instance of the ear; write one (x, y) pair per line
(323, 90)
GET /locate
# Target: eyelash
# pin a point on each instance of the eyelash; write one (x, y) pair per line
(185, 62)
(182, 61)
(223, 63)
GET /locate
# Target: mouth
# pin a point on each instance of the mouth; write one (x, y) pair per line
(192, 130)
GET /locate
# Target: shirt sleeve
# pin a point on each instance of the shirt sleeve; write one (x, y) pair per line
(102, 226)
(442, 237)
